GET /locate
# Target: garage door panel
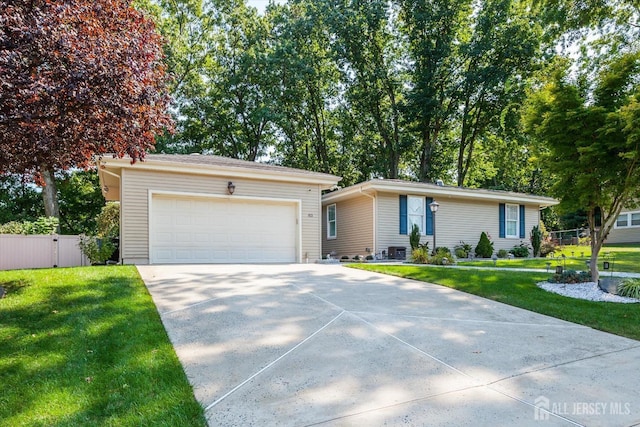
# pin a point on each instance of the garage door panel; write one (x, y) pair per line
(213, 230)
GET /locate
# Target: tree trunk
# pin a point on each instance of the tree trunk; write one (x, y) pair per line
(50, 192)
(596, 244)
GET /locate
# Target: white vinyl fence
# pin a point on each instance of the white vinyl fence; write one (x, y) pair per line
(40, 251)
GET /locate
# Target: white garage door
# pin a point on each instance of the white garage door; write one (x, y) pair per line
(221, 230)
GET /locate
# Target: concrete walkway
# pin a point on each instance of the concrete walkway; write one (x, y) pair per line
(308, 345)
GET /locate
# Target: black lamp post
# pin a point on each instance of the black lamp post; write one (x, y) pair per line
(434, 208)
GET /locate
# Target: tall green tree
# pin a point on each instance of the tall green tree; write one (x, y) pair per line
(470, 62)
(308, 79)
(370, 57)
(592, 141)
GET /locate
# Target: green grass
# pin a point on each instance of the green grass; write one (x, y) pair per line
(85, 346)
(624, 258)
(519, 289)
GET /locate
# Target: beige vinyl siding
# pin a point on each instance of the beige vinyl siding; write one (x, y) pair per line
(354, 222)
(456, 220)
(626, 234)
(136, 186)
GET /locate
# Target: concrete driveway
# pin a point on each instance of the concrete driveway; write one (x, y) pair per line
(327, 345)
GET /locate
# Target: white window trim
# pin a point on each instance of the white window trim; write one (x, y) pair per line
(335, 222)
(421, 223)
(629, 218)
(506, 221)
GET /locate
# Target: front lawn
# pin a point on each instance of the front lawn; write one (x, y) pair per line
(624, 258)
(519, 289)
(86, 347)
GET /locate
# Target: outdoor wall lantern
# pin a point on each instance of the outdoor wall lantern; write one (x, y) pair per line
(231, 187)
(434, 208)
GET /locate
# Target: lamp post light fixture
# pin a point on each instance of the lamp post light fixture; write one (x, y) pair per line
(231, 187)
(434, 208)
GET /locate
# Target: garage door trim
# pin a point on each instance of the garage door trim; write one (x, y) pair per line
(296, 202)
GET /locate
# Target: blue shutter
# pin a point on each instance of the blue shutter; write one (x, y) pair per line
(522, 222)
(429, 216)
(403, 215)
(501, 220)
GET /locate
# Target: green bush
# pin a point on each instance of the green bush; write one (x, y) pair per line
(571, 276)
(460, 253)
(547, 247)
(420, 256)
(462, 250)
(108, 220)
(414, 237)
(441, 254)
(97, 250)
(536, 240)
(484, 249)
(629, 288)
(369, 258)
(502, 253)
(43, 225)
(520, 251)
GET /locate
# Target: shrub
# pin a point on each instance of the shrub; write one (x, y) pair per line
(420, 255)
(43, 225)
(97, 250)
(441, 254)
(571, 276)
(520, 251)
(358, 258)
(536, 240)
(344, 258)
(484, 249)
(629, 288)
(108, 220)
(462, 250)
(547, 247)
(502, 253)
(369, 258)
(460, 253)
(414, 237)
(443, 250)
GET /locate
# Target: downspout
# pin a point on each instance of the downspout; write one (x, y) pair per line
(375, 241)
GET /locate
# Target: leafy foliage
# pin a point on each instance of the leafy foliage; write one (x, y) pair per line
(98, 250)
(571, 276)
(484, 248)
(591, 142)
(42, 225)
(420, 256)
(78, 79)
(629, 288)
(520, 251)
(536, 239)
(108, 221)
(462, 250)
(547, 247)
(414, 237)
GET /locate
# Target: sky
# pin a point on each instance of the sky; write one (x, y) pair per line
(262, 4)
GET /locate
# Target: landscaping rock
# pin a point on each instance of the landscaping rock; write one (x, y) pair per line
(609, 284)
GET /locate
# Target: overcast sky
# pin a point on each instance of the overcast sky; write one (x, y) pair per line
(262, 4)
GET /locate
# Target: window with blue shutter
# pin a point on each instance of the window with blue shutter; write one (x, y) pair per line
(522, 225)
(403, 215)
(429, 215)
(502, 220)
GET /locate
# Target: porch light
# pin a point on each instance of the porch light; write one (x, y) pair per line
(231, 187)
